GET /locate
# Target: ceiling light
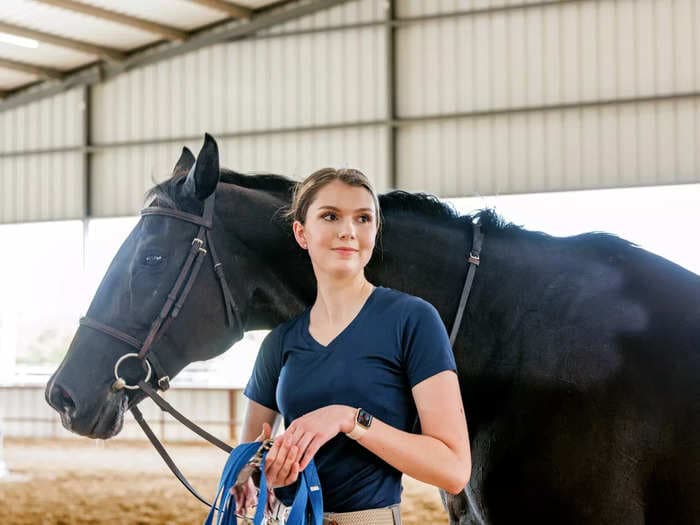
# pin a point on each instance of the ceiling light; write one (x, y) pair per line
(18, 41)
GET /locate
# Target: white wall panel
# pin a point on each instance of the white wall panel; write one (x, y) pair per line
(555, 54)
(356, 12)
(41, 187)
(53, 122)
(263, 84)
(598, 147)
(412, 8)
(121, 176)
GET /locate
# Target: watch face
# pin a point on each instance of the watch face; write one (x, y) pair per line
(364, 418)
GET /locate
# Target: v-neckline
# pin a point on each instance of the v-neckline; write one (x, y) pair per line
(343, 332)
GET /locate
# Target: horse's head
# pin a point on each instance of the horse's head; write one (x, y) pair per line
(161, 291)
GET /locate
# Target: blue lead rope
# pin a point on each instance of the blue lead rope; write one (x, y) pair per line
(307, 508)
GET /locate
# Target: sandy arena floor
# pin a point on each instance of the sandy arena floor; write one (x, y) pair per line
(86, 482)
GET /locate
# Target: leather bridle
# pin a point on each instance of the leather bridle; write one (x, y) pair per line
(202, 244)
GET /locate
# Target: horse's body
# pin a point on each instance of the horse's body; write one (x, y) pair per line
(578, 358)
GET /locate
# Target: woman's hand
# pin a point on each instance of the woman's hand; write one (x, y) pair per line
(247, 495)
(293, 450)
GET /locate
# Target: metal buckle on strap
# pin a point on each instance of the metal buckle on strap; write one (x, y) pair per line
(474, 258)
(164, 383)
(200, 245)
(254, 462)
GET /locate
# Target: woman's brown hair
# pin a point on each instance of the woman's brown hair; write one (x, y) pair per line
(305, 191)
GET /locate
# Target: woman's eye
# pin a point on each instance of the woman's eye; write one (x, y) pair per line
(365, 218)
(329, 216)
(152, 260)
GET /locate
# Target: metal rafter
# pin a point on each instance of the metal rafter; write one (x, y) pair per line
(45, 73)
(168, 32)
(48, 38)
(234, 10)
(225, 32)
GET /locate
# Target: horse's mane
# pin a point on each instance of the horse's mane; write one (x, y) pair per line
(395, 202)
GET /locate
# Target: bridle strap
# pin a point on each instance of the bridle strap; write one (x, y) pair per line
(230, 304)
(169, 311)
(177, 214)
(473, 259)
(113, 332)
(138, 416)
(167, 407)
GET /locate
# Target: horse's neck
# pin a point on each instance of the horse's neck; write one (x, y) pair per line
(424, 257)
(278, 277)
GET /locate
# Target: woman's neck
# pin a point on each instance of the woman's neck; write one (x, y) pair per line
(336, 301)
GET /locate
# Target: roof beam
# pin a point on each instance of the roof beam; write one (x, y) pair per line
(234, 10)
(168, 32)
(226, 32)
(44, 73)
(77, 45)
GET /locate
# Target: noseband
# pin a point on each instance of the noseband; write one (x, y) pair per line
(202, 244)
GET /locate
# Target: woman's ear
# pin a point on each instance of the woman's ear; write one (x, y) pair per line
(298, 229)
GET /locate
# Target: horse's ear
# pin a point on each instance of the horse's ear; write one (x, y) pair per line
(184, 163)
(204, 175)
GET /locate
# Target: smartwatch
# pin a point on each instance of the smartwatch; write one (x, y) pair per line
(363, 420)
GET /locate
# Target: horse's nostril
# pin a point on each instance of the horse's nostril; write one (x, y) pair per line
(61, 400)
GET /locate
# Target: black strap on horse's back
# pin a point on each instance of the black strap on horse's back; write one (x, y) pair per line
(474, 258)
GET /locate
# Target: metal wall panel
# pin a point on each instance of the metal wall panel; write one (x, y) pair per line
(581, 148)
(359, 12)
(122, 175)
(559, 54)
(414, 8)
(41, 187)
(266, 84)
(54, 122)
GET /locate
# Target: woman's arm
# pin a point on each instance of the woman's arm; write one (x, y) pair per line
(439, 456)
(255, 415)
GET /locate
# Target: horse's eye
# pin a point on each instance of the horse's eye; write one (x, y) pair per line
(152, 260)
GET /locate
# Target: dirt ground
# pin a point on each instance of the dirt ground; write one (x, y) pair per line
(84, 482)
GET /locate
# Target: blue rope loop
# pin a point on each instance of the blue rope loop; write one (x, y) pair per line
(307, 508)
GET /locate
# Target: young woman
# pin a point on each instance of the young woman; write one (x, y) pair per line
(350, 374)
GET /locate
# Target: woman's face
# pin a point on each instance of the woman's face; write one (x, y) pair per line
(339, 230)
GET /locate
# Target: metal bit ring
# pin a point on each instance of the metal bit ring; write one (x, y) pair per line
(120, 383)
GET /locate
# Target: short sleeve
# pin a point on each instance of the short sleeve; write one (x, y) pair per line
(425, 344)
(262, 385)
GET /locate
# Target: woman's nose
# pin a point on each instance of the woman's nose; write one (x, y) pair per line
(347, 231)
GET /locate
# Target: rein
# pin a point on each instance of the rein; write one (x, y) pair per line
(173, 304)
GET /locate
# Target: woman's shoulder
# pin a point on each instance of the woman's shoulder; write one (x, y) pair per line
(406, 303)
(280, 330)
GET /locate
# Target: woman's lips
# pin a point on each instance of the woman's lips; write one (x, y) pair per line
(344, 251)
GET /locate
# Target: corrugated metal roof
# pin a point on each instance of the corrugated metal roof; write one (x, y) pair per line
(64, 38)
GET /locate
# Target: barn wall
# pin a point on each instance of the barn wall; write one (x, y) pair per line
(41, 163)
(507, 98)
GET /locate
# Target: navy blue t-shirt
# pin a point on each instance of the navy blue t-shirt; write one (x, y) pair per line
(396, 341)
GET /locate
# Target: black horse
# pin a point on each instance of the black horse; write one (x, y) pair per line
(579, 357)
